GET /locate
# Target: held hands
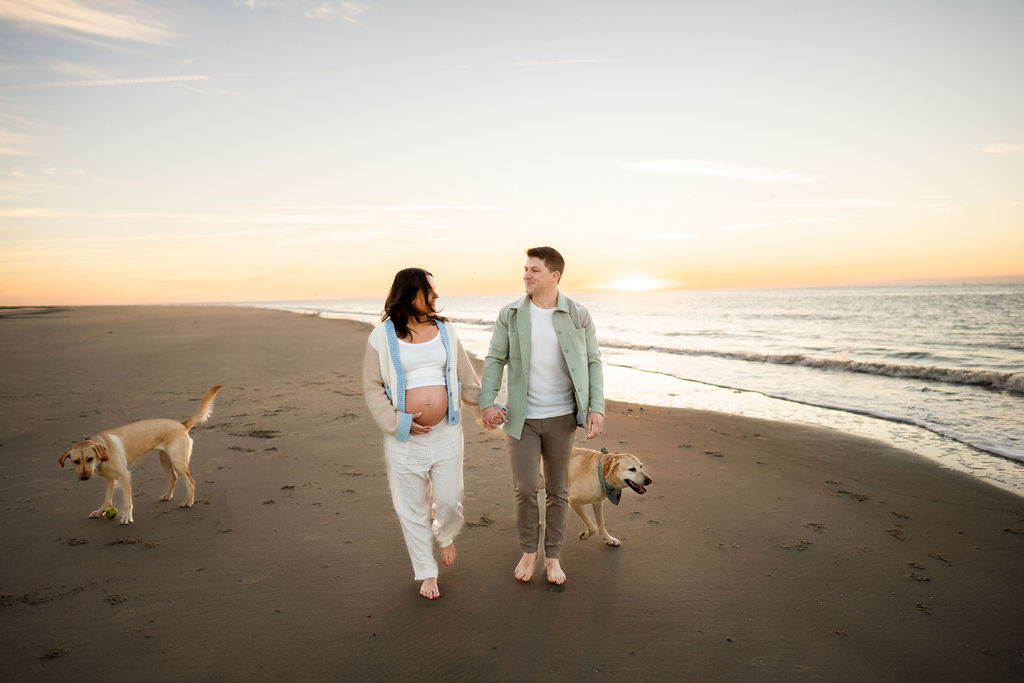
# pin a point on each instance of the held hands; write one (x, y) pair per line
(595, 425)
(492, 417)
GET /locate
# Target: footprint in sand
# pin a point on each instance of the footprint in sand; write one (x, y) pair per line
(800, 545)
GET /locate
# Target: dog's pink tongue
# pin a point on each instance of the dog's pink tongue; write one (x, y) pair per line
(639, 488)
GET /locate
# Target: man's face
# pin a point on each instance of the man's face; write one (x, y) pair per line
(538, 279)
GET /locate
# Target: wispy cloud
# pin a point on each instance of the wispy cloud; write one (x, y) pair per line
(932, 207)
(258, 4)
(215, 92)
(15, 144)
(78, 71)
(50, 213)
(290, 219)
(157, 238)
(561, 61)
(392, 207)
(301, 219)
(669, 236)
(866, 204)
(862, 204)
(773, 224)
(131, 21)
(20, 189)
(344, 10)
(333, 9)
(22, 121)
(718, 170)
(1002, 149)
(108, 82)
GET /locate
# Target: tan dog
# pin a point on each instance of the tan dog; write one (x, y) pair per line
(595, 476)
(110, 453)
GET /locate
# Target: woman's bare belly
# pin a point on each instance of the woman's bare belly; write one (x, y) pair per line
(431, 401)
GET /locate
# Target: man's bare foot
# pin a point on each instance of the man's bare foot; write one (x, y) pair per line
(428, 588)
(448, 554)
(524, 570)
(554, 570)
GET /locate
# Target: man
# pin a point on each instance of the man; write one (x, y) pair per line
(555, 384)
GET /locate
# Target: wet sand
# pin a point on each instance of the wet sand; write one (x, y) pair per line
(763, 550)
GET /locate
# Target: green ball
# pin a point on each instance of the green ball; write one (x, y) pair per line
(111, 512)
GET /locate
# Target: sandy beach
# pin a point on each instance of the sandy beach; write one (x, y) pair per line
(763, 551)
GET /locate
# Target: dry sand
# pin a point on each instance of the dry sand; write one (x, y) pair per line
(763, 551)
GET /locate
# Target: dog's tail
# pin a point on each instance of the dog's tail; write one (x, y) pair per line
(205, 408)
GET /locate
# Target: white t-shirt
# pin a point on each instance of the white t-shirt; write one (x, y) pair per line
(549, 390)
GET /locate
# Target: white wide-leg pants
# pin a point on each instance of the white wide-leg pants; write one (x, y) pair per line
(425, 476)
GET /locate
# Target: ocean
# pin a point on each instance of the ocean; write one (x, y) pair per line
(937, 370)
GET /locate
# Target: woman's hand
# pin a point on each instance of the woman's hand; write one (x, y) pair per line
(416, 427)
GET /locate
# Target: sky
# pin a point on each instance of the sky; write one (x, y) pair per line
(230, 150)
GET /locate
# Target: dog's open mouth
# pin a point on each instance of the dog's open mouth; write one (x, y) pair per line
(639, 488)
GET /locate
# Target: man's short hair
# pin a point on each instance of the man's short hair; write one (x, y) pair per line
(553, 261)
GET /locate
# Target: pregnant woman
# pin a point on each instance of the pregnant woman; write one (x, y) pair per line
(415, 373)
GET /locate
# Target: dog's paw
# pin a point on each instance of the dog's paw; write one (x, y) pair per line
(165, 497)
(611, 540)
(585, 534)
(186, 505)
(97, 513)
(125, 520)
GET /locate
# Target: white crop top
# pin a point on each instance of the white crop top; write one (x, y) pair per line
(424, 363)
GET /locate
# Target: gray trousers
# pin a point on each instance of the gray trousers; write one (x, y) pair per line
(544, 442)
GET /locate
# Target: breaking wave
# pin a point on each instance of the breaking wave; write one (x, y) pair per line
(995, 379)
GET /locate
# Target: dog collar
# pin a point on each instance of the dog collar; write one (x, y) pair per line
(613, 494)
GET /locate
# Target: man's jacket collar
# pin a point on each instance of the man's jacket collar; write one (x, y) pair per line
(562, 305)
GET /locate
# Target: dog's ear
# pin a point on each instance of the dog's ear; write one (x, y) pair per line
(100, 450)
(65, 456)
(608, 463)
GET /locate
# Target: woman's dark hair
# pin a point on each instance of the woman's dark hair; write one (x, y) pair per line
(407, 284)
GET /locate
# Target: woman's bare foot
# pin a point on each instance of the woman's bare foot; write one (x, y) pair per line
(448, 554)
(524, 570)
(554, 570)
(428, 588)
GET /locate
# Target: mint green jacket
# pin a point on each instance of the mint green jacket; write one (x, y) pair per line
(510, 345)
